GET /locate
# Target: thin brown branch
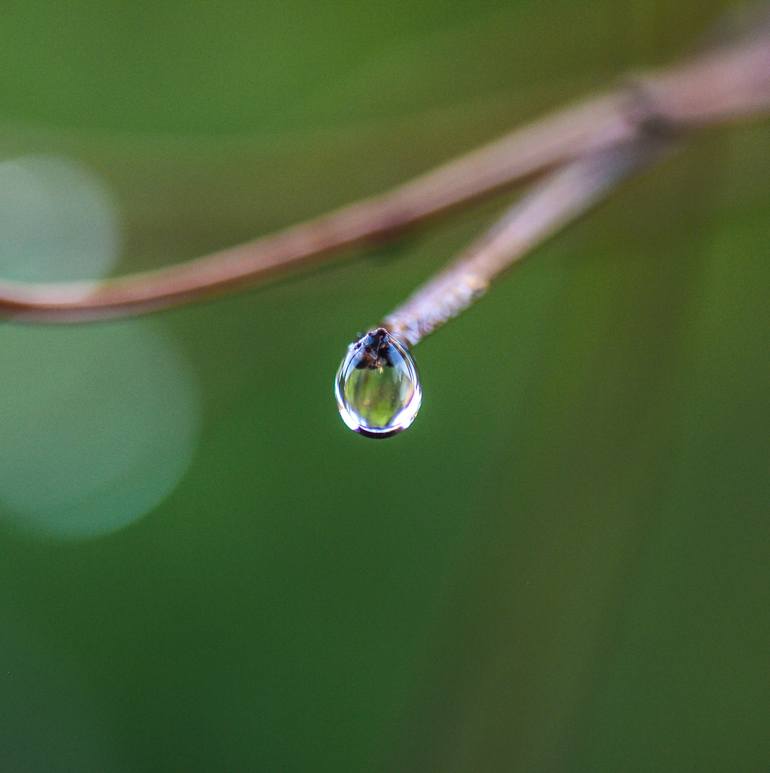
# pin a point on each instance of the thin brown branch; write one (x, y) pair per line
(559, 199)
(517, 156)
(719, 86)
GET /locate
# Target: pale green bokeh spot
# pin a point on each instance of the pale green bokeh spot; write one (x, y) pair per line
(99, 424)
(58, 220)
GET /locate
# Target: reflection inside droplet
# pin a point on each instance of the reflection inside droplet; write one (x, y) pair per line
(377, 387)
(58, 221)
(99, 423)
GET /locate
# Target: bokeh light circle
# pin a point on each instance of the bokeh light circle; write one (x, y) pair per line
(58, 220)
(99, 423)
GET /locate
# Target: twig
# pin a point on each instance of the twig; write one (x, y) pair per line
(719, 86)
(553, 203)
(504, 162)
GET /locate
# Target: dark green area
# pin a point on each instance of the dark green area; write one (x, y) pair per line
(563, 565)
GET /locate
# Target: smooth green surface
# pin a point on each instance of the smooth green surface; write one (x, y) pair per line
(563, 566)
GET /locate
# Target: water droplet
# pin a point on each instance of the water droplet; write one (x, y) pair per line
(377, 387)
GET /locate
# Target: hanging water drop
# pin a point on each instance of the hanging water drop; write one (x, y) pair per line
(377, 387)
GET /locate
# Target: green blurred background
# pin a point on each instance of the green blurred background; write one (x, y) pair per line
(563, 566)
